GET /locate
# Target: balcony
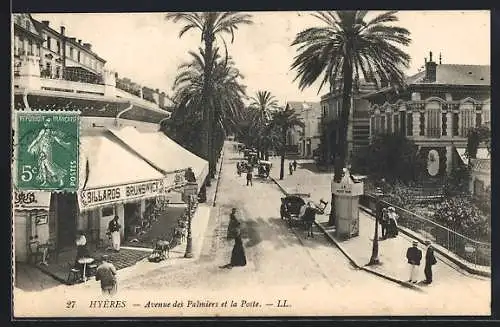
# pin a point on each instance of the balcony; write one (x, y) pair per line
(63, 85)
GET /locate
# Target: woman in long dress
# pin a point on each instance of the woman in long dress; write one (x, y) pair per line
(238, 258)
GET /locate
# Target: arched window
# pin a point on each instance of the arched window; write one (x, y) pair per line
(466, 118)
(433, 110)
(389, 122)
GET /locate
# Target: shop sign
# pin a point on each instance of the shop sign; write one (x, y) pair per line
(175, 181)
(117, 194)
(31, 200)
(348, 189)
(41, 219)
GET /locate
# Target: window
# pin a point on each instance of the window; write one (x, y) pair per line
(107, 211)
(71, 52)
(78, 55)
(382, 124)
(49, 43)
(30, 48)
(389, 123)
(422, 124)
(433, 111)
(478, 187)
(58, 43)
(466, 118)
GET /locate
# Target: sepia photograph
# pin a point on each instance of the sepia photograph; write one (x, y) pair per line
(251, 164)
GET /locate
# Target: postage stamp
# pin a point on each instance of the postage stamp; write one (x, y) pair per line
(47, 151)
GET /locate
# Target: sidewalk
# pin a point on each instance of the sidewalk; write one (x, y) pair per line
(392, 252)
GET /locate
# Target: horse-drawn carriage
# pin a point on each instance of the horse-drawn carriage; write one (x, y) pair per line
(294, 210)
(264, 168)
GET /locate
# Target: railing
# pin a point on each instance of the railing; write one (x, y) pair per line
(473, 251)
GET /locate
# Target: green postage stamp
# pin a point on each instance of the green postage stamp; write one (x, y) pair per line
(47, 151)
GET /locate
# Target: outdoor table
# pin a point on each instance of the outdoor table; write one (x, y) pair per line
(84, 262)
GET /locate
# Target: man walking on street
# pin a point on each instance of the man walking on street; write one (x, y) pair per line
(106, 273)
(430, 260)
(414, 255)
(249, 176)
(294, 165)
(384, 223)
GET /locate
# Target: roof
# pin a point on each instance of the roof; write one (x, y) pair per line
(456, 75)
(298, 106)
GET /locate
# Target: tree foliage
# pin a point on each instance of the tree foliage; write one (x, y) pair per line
(392, 157)
(346, 46)
(476, 136)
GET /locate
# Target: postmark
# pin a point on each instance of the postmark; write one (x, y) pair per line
(47, 151)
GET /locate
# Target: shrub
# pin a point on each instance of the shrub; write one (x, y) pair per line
(461, 215)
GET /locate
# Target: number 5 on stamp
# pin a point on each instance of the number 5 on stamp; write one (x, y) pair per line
(47, 151)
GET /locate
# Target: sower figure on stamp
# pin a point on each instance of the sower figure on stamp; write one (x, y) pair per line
(414, 255)
(106, 273)
(114, 229)
(430, 260)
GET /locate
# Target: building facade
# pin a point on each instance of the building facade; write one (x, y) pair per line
(306, 139)
(436, 110)
(358, 130)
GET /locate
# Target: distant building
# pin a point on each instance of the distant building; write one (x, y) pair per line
(305, 139)
(358, 131)
(436, 110)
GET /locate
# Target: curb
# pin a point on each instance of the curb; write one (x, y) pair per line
(460, 264)
(351, 260)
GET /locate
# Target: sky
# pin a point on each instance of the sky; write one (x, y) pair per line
(146, 48)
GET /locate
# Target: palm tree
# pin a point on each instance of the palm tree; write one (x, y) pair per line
(225, 98)
(342, 49)
(210, 25)
(264, 103)
(282, 122)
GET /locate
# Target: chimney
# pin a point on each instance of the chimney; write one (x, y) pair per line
(73, 39)
(79, 41)
(88, 46)
(430, 69)
(63, 30)
(45, 22)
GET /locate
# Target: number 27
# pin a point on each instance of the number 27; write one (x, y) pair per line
(70, 304)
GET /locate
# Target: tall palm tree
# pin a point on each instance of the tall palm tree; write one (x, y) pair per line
(349, 44)
(210, 25)
(282, 122)
(264, 103)
(225, 98)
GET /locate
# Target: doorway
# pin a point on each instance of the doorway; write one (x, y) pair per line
(67, 213)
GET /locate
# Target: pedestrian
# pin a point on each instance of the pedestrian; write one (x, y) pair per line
(238, 168)
(249, 176)
(384, 223)
(106, 273)
(430, 260)
(233, 226)
(309, 218)
(294, 165)
(283, 209)
(392, 227)
(290, 168)
(189, 175)
(413, 255)
(114, 230)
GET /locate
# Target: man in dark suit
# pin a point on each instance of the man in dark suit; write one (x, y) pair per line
(414, 256)
(430, 260)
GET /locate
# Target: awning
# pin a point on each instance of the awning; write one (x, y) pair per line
(111, 173)
(482, 153)
(31, 200)
(163, 153)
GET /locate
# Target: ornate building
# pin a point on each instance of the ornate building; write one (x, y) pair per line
(305, 139)
(436, 110)
(358, 124)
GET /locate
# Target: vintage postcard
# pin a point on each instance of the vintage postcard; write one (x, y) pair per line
(194, 164)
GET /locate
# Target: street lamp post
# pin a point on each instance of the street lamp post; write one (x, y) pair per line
(374, 260)
(190, 191)
(189, 242)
